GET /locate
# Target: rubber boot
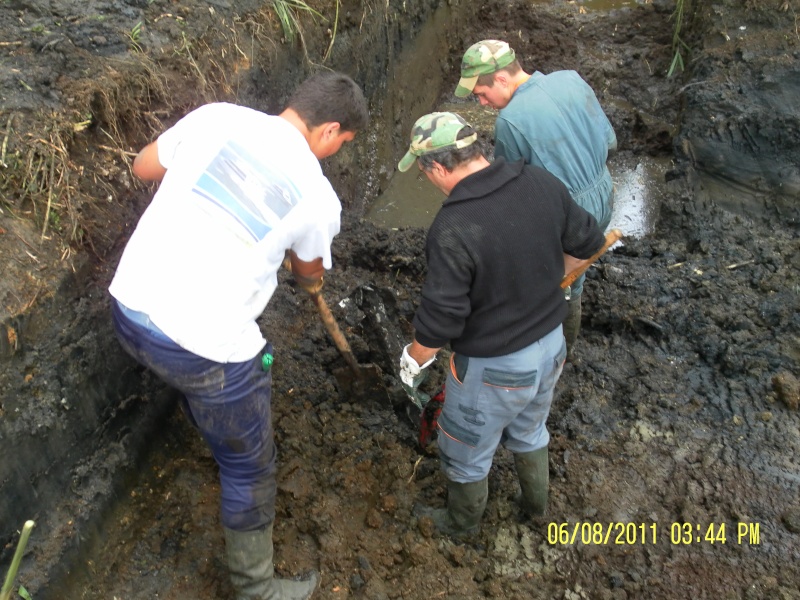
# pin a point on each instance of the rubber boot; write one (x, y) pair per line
(572, 324)
(250, 556)
(533, 470)
(465, 505)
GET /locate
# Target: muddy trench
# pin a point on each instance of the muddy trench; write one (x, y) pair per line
(675, 431)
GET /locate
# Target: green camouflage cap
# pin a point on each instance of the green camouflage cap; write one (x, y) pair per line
(482, 58)
(433, 132)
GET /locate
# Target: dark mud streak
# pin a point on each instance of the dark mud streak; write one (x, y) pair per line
(742, 123)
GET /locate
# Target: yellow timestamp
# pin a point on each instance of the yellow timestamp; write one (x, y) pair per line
(601, 534)
(686, 534)
(627, 534)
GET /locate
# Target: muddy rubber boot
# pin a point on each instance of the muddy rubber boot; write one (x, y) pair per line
(250, 563)
(533, 471)
(572, 324)
(465, 505)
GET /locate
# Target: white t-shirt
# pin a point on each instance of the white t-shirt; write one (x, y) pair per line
(241, 188)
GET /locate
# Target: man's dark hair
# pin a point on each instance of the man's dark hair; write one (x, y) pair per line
(330, 97)
(488, 80)
(450, 158)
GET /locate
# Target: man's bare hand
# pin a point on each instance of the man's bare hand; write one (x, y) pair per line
(571, 263)
(312, 287)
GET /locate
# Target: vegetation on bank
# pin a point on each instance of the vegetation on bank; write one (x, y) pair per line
(679, 47)
(60, 168)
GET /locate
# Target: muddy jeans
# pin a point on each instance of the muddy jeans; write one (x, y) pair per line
(230, 406)
(504, 399)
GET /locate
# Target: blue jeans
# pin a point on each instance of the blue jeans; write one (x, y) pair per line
(503, 399)
(229, 404)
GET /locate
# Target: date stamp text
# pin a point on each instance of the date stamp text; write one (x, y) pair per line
(627, 534)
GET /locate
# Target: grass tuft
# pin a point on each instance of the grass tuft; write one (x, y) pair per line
(8, 585)
(286, 10)
(678, 45)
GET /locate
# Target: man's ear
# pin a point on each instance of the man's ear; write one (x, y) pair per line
(501, 78)
(331, 129)
(438, 169)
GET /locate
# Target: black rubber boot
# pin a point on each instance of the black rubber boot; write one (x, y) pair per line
(250, 556)
(572, 324)
(465, 505)
(533, 471)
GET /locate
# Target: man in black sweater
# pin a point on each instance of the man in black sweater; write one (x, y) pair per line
(495, 256)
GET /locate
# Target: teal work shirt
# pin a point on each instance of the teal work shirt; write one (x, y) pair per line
(555, 122)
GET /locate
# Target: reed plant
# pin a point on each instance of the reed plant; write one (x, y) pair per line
(8, 586)
(286, 10)
(678, 45)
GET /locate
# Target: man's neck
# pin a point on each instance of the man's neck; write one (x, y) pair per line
(292, 117)
(464, 171)
(518, 80)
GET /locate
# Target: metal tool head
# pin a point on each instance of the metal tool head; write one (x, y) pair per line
(363, 384)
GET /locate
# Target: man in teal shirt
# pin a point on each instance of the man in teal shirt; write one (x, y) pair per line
(551, 121)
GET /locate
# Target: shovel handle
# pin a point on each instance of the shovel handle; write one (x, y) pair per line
(330, 324)
(612, 237)
(333, 329)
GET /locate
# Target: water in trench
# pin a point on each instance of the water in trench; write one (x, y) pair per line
(600, 5)
(410, 200)
(609, 4)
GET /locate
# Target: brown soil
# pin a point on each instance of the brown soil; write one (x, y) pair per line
(680, 406)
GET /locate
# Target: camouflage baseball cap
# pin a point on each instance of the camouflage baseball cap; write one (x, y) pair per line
(482, 58)
(435, 131)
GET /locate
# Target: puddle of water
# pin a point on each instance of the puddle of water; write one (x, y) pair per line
(410, 200)
(609, 4)
(601, 4)
(639, 190)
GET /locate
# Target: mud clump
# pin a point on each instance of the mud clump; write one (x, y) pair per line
(787, 387)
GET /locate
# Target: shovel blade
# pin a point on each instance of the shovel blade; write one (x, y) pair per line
(365, 383)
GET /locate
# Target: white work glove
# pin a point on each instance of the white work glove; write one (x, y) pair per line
(412, 375)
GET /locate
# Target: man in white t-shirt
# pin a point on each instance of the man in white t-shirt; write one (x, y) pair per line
(239, 188)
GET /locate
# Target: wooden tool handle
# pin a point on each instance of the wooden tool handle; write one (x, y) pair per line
(612, 237)
(330, 324)
(333, 329)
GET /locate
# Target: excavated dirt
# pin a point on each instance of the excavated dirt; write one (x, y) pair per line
(675, 431)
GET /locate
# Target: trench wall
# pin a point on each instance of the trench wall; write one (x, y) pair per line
(740, 129)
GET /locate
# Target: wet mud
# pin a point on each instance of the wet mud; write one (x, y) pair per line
(674, 433)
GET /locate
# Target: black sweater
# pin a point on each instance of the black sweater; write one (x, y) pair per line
(495, 260)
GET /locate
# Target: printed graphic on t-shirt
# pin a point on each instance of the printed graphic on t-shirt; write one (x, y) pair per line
(253, 194)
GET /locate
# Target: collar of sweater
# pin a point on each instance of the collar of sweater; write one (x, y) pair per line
(484, 182)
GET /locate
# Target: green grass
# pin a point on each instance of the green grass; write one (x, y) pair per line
(8, 585)
(286, 10)
(134, 35)
(678, 45)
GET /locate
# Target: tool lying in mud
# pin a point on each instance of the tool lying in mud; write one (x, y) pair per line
(429, 419)
(359, 381)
